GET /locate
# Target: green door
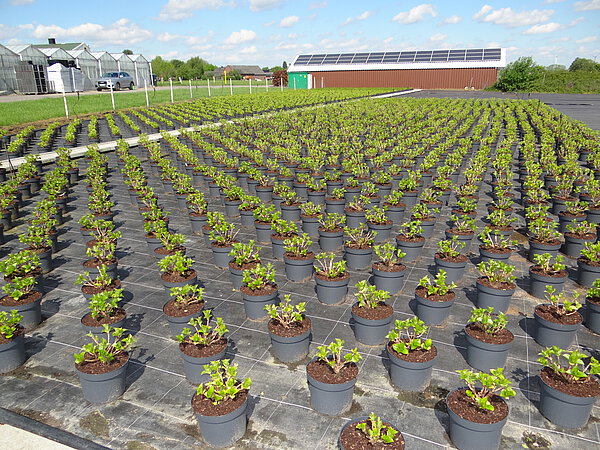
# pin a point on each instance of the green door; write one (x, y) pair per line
(298, 80)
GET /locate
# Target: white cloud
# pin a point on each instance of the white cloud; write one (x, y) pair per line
(438, 37)
(550, 27)
(294, 46)
(249, 50)
(263, 5)
(288, 21)
(121, 32)
(453, 19)
(20, 2)
(317, 5)
(415, 14)
(167, 37)
(238, 37)
(363, 16)
(292, 36)
(388, 40)
(181, 9)
(510, 18)
(590, 5)
(8, 32)
(553, 1)
(587, 40)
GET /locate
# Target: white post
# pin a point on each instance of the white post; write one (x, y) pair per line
(66, 106)
(191, 96)
(146, 90)
(281, 84)
(112, 96)
(230, 86)
(294, 83)
(266, 85)
(250, 84)
(171, 84)
(208, 83)
(322, 82)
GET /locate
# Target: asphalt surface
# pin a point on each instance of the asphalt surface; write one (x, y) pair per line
(583, 107)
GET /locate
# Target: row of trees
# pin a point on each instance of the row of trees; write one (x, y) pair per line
(525, 74)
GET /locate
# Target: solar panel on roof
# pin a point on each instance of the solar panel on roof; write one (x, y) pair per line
(375, 59)
(423, 57)
(360, 58)
(407, 57)
(440, 55)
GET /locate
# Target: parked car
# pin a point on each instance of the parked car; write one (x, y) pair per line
(117, 80)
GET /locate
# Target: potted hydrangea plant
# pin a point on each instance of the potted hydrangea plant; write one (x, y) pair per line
(371, 315)
(289, 329)
(388, 271)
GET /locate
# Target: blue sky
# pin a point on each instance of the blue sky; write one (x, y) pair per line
(267, 32)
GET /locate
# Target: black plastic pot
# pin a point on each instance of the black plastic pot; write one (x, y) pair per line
(548, 333)
(454, 270)
(428, 226)
(299, 270)
(488, 296)
(330, 399)
(413, 249)
(221, 255)
(432, 313)
(225, 430)
(31, 312)
(395, 213)
(177, 324)
(330, 241)
(487, 256)
(232, 207)
(247, 218)
(592, 316)
(290, 349)
(316, 197)
(254, 305)
(564, 410)
(484, 356)
(104, 387)
(335, 206)
(537, 248)
(574, 245)
(193, 366)
(468, 435)
(197, 222)
(355, 219)
(99, 329)
(331, 292)
(310, 225)
(538, 283)
(408, 375)
(587, 273)
(358, 258)
(371, 331)
(168, 284)
(263, 232)
(388, 281)
(290, 212)
(12, 353)
(383, 231)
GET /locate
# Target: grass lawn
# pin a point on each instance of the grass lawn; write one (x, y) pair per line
(26, 111)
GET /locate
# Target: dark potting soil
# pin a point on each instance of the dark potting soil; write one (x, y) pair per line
(89, 321)
(39, 250)
(95, 262)
(418, 355)
(354, 439)
(385, 268)
(295, 329)
(312, 216)
(202, 405)
(466, 408)
(267, 290)
(460, 211)
(503, 285)
(584, 260)
(341, 277)
(202, 351)
(548, 312)
(91, 290)
(459, 232)
(244, 266)
(538, 270)
(306, 257)
(196, 214)
(507, 228)
(97, 367)
(20, 330)
(499, 251)
(570, 215)
(353, 246)
(594, 300)
(90, 244)
(398, 205)
(279, 237)
(164, 251)
(335, 230)
(382, 311)
(550, 242)
(223, 245)
(177, 278)
(501, 337)
(321, 371)
(410, 239)
(422, 292)
(174, 309)
(587, 236)
(457, 259)
(587, 388)
(387, 222)
(29, 298)
(33, 274)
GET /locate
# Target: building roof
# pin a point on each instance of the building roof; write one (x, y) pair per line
(413, 59)
(99, 55)
(56, 53)
(245, 70)
(66, 46)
